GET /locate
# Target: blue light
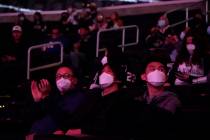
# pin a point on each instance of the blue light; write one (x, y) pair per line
(19, 9)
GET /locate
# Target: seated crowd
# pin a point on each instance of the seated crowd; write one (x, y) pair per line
(107, 110)
(106, 105)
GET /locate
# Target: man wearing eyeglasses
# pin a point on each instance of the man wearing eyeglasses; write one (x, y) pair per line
(61, 110)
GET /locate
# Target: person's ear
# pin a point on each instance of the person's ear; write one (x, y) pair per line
(143, 77)
(75, 81)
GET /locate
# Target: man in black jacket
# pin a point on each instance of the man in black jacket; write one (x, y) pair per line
(59, 111)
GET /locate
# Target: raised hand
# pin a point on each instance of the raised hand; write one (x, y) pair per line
(74, 132)
(93, 86)
(58, 132)
(41, 90)
(44, 87)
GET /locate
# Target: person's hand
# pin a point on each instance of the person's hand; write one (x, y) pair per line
(11, 58)
(58, 132)
(152, 49)
(30, 137)
(200, 80)
(166, 84)
(8, 58)
(93, 27)
(74, 132)
(93, 86)
(182, 76)
(41, 90)
(154, 30)
(44, 87)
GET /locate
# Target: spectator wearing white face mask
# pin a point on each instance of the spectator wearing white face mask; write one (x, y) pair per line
(155, 76)
(163, 24)
(60, 111)
(110, 54)
(158, 107)
(184, 32)
(110, 68)
(107, 116)
(189, 63)
(108, 81)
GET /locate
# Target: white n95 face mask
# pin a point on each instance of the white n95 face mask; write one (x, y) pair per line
(63, 85)
(105, 80)
(104, 60)
(190, 48)
(156, 78)
(182, 35)
(161, 23)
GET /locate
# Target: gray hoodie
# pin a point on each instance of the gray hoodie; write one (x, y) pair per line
(167, 101)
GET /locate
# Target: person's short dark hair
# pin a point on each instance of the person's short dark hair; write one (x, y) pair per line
(54, 26)
(67, 66)
(38, 14)
(153, 58)
(64, 16)
(21, 14)
(84, 27)
(115, 61)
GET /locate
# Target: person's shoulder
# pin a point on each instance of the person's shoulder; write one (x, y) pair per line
(80, 92)
(125, 95)
(171, 96)
(132, 92)
(89, 95)
(96, 92)
(120, 93)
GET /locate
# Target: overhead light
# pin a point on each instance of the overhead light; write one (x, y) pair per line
(18, 9)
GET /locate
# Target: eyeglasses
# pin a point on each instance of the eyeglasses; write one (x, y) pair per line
(65, 76)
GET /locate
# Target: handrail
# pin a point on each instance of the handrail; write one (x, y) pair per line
(180, 22)
(46, 45)
(186, 15)
(122, 10)
(123, 44)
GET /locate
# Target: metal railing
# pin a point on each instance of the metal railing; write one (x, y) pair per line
(187, 18)
(181, 22)
(123, 10)
(47, 45)
(123, 37)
